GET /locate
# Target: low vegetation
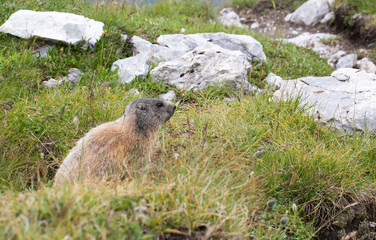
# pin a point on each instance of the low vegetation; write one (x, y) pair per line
(247, 168)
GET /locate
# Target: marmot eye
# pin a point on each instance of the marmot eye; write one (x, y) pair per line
(159, 104)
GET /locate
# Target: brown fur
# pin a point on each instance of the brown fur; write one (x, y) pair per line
(106, 150)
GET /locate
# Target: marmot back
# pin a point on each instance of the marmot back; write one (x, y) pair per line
(105, 150)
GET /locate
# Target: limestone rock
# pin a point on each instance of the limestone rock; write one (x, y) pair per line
(367, 65)
(73, 77)
(335, 57)
(42, 51)
(347, 61)
(168, 96)
(228, 17)
(205, 66)
(134, 92)
(55, 26)
(313, 41)
(346, 99)
(129, 68)
(310, 12)
(328, 18)
(244, 43)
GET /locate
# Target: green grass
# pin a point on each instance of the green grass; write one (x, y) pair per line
(279, 4)
(216, 165)
(364, 6)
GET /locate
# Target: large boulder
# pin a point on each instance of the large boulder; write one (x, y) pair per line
(205, 66)
(346, 99)
(171, 48)
(244, 43)
(311, 12)
(56, 26)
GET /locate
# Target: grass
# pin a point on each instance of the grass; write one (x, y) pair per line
(217, 163)
(279, 4)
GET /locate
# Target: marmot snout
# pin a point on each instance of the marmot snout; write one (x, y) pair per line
(105, 150)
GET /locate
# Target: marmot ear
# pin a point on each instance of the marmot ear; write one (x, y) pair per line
(141, 106)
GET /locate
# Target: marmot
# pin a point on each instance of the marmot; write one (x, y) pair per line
(106, 149)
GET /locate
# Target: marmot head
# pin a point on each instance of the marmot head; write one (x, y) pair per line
(150, 113)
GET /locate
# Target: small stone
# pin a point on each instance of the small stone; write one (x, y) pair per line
(347, 61)
(334, 58)
(124, 37)
(228, 17)
(328, 18)
(255, 25)
(367, 65)
(134, 92)
(288, 17)
(228, 99)
(42, 51)
(50, 83)
(169, 96)
(182, 30)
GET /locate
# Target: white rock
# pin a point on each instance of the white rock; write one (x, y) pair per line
(255, 25)
(129, 68)
(42, 51)
(310, 12)
(134, 92)
(244, 43)
(74, 76)
(346, 99)
(205, 66)
(274, 81)
(334, 58)
(314, 42)
(155, 52)
(347, 61)
(174, 46)
(140, 45)
(124, 37)
(228, 17)
(168, 96)
(367, 65)
(308, 40)
(182, 30)
(331, 3)
(328, 18)
(288, 17)
(50, 83)
(55, 26)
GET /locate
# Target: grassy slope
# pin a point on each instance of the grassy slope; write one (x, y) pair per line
(217, 171)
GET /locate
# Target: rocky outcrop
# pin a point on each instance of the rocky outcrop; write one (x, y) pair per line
(209, 51)
(55, 26)
(345, 100)
(205, 66)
